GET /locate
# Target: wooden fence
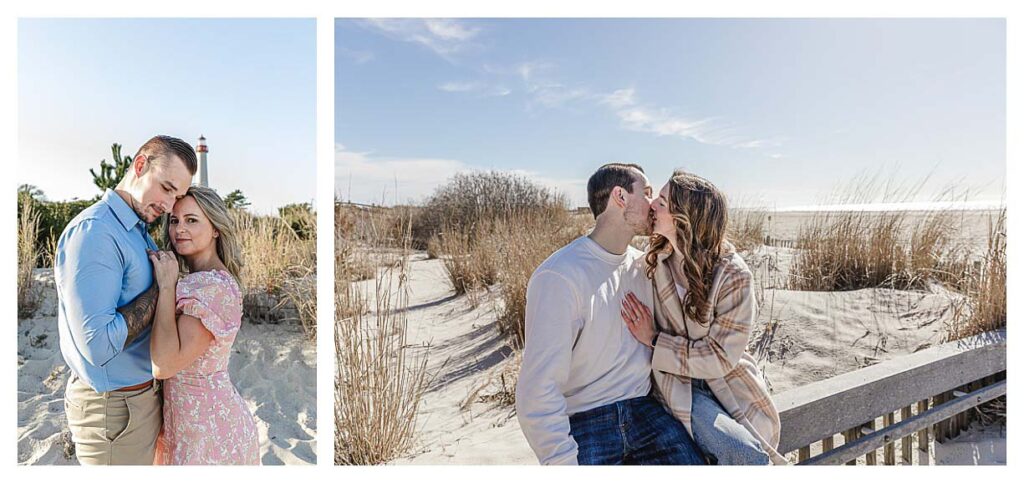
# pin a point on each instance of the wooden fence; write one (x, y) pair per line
(779, 242)
(905, 403)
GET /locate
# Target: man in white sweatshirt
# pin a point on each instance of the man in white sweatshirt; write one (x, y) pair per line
(584, 390)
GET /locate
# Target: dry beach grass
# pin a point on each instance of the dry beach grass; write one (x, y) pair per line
(379, 381)
(28, 255)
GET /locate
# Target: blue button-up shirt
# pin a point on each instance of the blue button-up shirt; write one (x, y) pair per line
(101, 265)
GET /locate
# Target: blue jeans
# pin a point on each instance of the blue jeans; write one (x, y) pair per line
(723, 440)
(636, 431)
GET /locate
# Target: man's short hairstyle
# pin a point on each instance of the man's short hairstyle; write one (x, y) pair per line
(164, 146)
(607, 177)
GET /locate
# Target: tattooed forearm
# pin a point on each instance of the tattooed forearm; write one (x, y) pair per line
(138, 314)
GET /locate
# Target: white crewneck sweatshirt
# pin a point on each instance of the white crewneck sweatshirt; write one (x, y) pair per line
(579, 354)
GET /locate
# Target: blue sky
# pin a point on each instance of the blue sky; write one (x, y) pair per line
(248, 85)
(776, 112)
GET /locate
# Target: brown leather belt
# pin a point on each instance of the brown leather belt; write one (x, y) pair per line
(136, 387)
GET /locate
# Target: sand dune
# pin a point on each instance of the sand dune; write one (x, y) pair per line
(273, 367)
(463, 347)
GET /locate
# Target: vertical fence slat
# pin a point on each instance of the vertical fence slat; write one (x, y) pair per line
(889, 453)
(907, 444)
(957, 419)
(804, 454)
(972, 415)
(871, 458)
(848, 437)
(923, 456)
(961, 419)
(941, 428)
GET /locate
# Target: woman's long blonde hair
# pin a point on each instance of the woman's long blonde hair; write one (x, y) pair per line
(228, 247)
(700, 215)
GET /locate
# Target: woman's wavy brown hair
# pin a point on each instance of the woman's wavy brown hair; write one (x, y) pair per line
(701, 215)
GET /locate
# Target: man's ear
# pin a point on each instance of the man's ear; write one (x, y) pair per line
(618, 196)
(139, 165)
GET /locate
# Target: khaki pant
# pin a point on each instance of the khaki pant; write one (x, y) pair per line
(113, 428)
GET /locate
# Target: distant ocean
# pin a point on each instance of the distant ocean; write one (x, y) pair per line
(910, 206)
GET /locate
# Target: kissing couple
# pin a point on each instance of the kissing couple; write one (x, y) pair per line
(640, 358)
(147, 348)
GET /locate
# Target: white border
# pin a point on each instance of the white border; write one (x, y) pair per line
(325, 239)
(325, 12)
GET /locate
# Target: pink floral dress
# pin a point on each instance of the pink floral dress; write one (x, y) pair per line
(206, 421)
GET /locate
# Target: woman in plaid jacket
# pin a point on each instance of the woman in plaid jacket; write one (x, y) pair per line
(704, 307)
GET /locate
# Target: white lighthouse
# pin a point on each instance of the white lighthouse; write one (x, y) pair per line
(201, 150)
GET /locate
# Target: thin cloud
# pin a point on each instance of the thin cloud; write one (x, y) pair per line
(635, 116)
(450, 29)
(545, 92)
(477, 87)
(445, 37)
(357, 56)
(460, 86)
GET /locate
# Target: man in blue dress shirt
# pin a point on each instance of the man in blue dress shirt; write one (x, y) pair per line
(106, 299)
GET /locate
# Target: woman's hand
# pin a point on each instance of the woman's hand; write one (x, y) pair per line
(638, 319)
(165, 269)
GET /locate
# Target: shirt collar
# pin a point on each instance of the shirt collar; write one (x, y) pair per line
(124, 213)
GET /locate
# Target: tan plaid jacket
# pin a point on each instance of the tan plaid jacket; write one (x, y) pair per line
(715, 352)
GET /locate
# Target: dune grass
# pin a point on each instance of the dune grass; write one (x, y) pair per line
(856, 249)
(747, 228)
(984, 307)
(28, 256)
(379, 381)
(279, 272)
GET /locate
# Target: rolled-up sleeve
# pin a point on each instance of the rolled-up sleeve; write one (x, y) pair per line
(551, 310)
(90, 270)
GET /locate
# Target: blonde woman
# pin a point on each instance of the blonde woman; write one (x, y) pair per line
(703, 310)
(197, 317)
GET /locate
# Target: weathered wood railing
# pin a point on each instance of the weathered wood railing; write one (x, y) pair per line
(931, 392)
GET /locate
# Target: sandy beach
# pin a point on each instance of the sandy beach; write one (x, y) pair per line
(272, 365)
(799, 337)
